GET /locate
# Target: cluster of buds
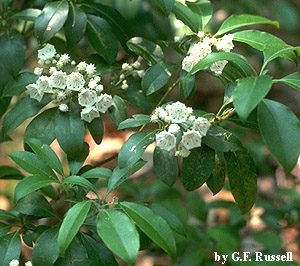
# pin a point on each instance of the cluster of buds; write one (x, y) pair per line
(203, 48)
(182, 130)
(65, 80)
(17, 263)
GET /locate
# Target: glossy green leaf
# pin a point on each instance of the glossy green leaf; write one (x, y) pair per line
(4, 104)
(165, 6)
(17, 86)
(70, 131)
(216, 181)
(75, 25)
(136, 121)
(280, 129)
(96, 173)
(204, 9)
(120, 175)
(31, 184)
(118, 111)
(237, 21)
(119, 234)
(46, 244)
(155, 78)
(6, 215)
(8, 172)
(80, 181)
(155, 227)
(42, 127)
(32, 163)
(102, 39)
(51, 20)
(71, 224)
(293, 80)
(165, 166)
(197, 167)
(24, 109)
(186, 85)
(46, 154)
(242, 178)
(10, 248)
(150, 51)
(96, 128)
(29, 14)
(249, 92)
(133, 149)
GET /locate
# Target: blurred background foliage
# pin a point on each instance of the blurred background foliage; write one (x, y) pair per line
(214, 223)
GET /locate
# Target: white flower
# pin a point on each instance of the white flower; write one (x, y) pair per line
(201, 49)
(43, 83)
(63, 107)
(64, 59)
(59, 65)
(122, 76)
(14, 263)
(124, 85)
(191, 139)
(46, 53)
(87, 97)
(201, 125)
(92, 84)
(73, 63)
(58, 80)
(35, 92)
(99, 88)
(201, 34)
(174, 128)
(178, 112)
(52, 70)
(90, 69)
(189, 62)
(75, 81)
(225, 43)
(61, 95)
(154, 118)
(104, 102)
(28, 263)
(38, 71)
(182, 151)
(162, 114)
(81, 66)
(126, 67)
(217, 67)
(136, 64)
(165, 140)
(141, 73)
(88, 114)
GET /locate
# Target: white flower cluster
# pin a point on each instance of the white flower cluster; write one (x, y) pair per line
(130, 70)
(203, 48)
(17, 263)
(65, 81)
(183, 131)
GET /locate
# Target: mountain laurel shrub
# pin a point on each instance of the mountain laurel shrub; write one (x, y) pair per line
(68, 96)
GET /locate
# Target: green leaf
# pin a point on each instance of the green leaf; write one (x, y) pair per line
(28, 206)
(169, 217)
(71, 224)
(118, 111)
(75, 25)
(70, 131)
(96, 128)
(102, 39)
(150, 51)
(165, 166)
(197, 167)
(204, 9)
(29, 14)
(46, 244)
(46, 154)
(249, 92)
(10, 248)
(31, 184)
(136, 121)
(187, 16)
(186, 85)
(155, 227)
(120, 175)
(25, 108)
(119, 234)
(242, 178)
(32, 163)
(17, 86)
(217, 179)
(96, 173)
(8, 172)
(133, 149)
(264, 42)
(51, 20)
(165, 6)
(292, 80)
(155, 78)
(237, 21)
(76, 164)
(6, 215)
(42, 127)
(4, 104)
(80, 181)
(280, 129)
